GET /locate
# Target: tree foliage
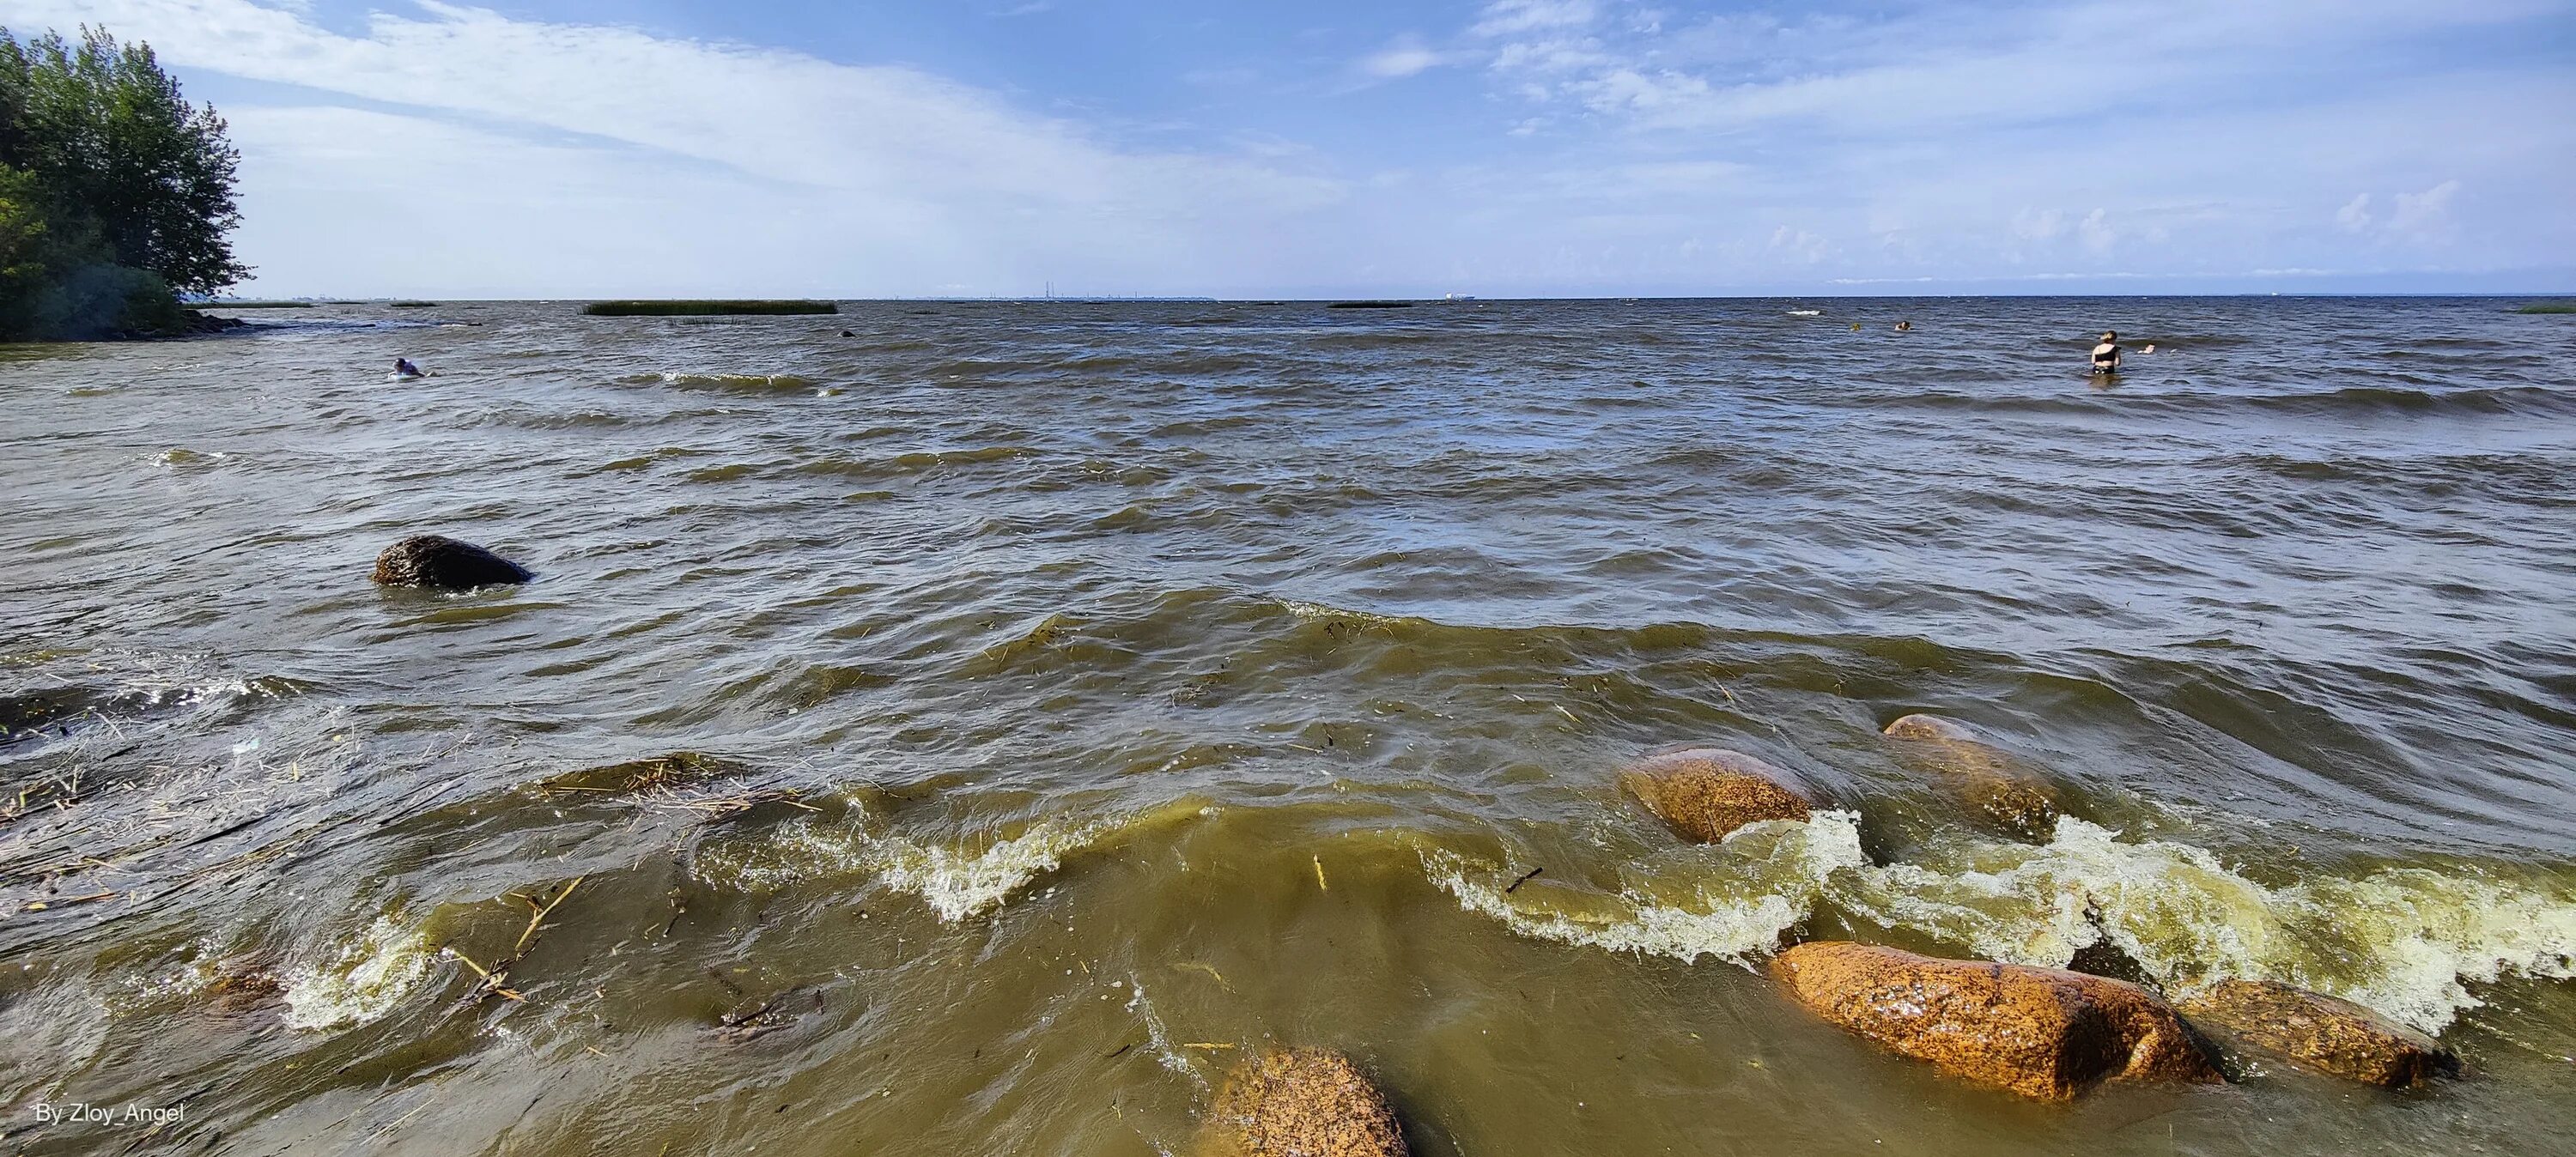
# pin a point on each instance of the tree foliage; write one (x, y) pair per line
(114, 190)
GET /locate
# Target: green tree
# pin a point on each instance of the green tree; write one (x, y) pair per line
(114, 190)
(108, 132)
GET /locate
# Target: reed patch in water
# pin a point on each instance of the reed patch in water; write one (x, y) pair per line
(705, 308)
(2549, 307)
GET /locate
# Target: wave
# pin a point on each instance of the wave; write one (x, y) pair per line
(2349, 401)
(911, 462)
(362, 981)
(1734, 901)
(959, 881)
(2361, 399)
(2407, 942)
(2404, 941)
(743, 383)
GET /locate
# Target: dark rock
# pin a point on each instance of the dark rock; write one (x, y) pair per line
(193, 322)
(1706, 793)
(2332, 1036)
(1300, 1103)
(2106, 959)
(2039, 1032)
(645, 776)
(431, 560)
(2008, 793)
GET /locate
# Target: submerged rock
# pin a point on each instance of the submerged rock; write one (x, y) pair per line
(1706, 793)
(240, 987)
(644, 776)
(2039, 1032)
(2332, 1036)
(1300, 1103)
(1999, 786)
(430, 560)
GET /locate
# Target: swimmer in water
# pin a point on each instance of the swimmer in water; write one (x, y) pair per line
(404, 369)
(2106, 356)
(1904, 326)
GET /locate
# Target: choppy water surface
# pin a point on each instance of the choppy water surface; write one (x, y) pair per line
(1079, 695)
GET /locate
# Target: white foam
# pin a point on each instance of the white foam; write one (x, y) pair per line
(1307, 610)
(958, 883)
(2406, 942)
(362, 982)
(1737, 899)
(1158, 1039)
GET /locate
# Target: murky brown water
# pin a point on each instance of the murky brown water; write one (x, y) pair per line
(1089, 693)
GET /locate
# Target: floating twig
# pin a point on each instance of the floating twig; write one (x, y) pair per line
(1525, 877)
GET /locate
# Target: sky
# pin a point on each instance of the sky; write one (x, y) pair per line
(1501, 148)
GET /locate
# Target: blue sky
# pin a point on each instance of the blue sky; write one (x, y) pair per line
(581, 148)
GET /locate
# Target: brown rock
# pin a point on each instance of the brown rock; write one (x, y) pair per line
(430, 560)
(2332, 1036)
(1929, 727)
(1300, 1103)
(1706, 793)
(2040, 1032)
(240, 987)
(2008, 793)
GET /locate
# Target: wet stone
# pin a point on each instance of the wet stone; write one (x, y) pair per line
(1706, 793)
(2332, 1036)
(1999, 787)
(430, 560)
(2040, 1032)
(1300, 1103)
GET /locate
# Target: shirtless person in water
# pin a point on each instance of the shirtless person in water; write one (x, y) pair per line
(2106, 356)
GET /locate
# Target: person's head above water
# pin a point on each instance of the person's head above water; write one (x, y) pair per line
(2110, 335)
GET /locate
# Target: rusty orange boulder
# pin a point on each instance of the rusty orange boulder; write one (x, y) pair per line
(1706, 793)
(2332, 1036)
(1300, 1103)
(2007, 791)
(2040, 1032)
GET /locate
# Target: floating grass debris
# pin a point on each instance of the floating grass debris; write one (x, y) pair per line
(496, 977)
(2549, 307)
(644, 776)
(705, 308)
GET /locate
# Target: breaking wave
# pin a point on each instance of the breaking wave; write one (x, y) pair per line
(1734, 901)
(2407, 942)
(363, 981)
(958, 881)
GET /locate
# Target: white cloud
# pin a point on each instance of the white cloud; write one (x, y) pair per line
(1804, 246)
(913, 178)
(439, 151)
(2097, 232)
(1507, 17)
(1399, 60)
(2044, 225)
(2424, 214)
